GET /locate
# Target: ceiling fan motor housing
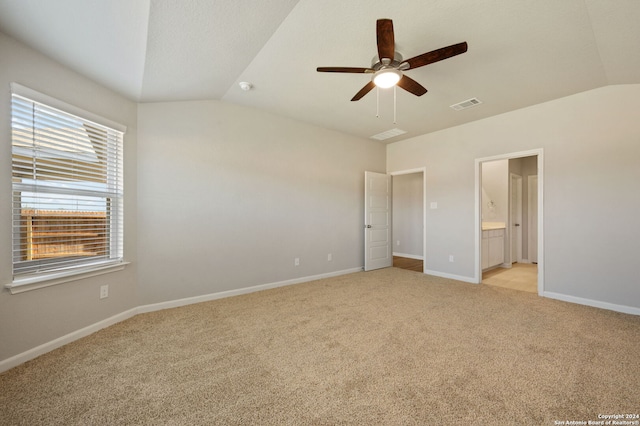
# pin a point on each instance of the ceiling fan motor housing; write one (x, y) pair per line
(377, 64)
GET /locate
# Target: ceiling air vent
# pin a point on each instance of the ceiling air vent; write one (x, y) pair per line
(466, 104)
(388, 134)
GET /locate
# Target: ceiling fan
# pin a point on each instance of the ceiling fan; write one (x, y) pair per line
(388, 67)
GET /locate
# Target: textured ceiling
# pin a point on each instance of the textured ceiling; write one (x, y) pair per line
(520, 53)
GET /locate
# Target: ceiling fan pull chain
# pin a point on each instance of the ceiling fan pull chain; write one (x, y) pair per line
(377, 102)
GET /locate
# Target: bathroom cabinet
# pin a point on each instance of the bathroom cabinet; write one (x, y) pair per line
(492, 248)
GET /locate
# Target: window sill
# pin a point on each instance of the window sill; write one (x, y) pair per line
(22, 285)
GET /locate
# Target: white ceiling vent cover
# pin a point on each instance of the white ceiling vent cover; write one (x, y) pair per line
(466, 104)
(388, 134)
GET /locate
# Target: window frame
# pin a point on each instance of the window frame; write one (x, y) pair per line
(85, 266)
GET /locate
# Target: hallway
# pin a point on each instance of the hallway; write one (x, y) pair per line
(407, 263)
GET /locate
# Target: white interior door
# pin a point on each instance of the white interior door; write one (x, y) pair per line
(377, 221)
(516, 218)
(532, 211)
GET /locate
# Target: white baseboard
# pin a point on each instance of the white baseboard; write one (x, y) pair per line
(451, 276)
(23, 357)
(408, 256)
(594, 303)
(237, 292)
(30, 354)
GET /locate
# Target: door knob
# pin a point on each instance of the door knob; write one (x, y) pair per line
(367, 226)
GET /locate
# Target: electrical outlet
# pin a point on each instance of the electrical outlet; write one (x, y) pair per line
(329, 257)
(104, 291)
(451, 258)
(398, 242)
(296, 261)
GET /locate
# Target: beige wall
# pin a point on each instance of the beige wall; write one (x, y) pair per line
(229, 196)
(407, 214)
(591, 144)
(495, 191)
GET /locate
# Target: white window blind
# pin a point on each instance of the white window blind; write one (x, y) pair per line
(67, 190)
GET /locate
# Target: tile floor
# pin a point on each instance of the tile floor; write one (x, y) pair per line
(521, 276)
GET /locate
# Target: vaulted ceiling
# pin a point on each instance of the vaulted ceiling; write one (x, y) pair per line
(520, 53)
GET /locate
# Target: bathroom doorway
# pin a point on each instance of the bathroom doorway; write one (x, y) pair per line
(509, 221)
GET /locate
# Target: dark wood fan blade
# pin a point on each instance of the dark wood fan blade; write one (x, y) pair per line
(436, 55)
(385, 39)
(366, 89)
(412, 86)
(344, 69)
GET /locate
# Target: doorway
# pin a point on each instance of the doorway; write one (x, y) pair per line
(509, 249)
(395, 235)
(408, 220)
(408, 263)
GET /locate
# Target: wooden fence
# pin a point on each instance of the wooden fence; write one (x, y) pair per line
(50, 233)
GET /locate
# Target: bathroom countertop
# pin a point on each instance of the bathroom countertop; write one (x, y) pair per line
(488, 226)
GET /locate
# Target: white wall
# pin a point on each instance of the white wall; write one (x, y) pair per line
(591, 144)
(495, 191)
(408, 214)
(40, 316)
(229, 196)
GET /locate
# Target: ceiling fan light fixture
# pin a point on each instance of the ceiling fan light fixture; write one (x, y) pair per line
(386, 77)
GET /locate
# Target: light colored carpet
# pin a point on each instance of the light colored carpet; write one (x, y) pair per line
(386, 347)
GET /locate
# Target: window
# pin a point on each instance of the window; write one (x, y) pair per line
(67, 188)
